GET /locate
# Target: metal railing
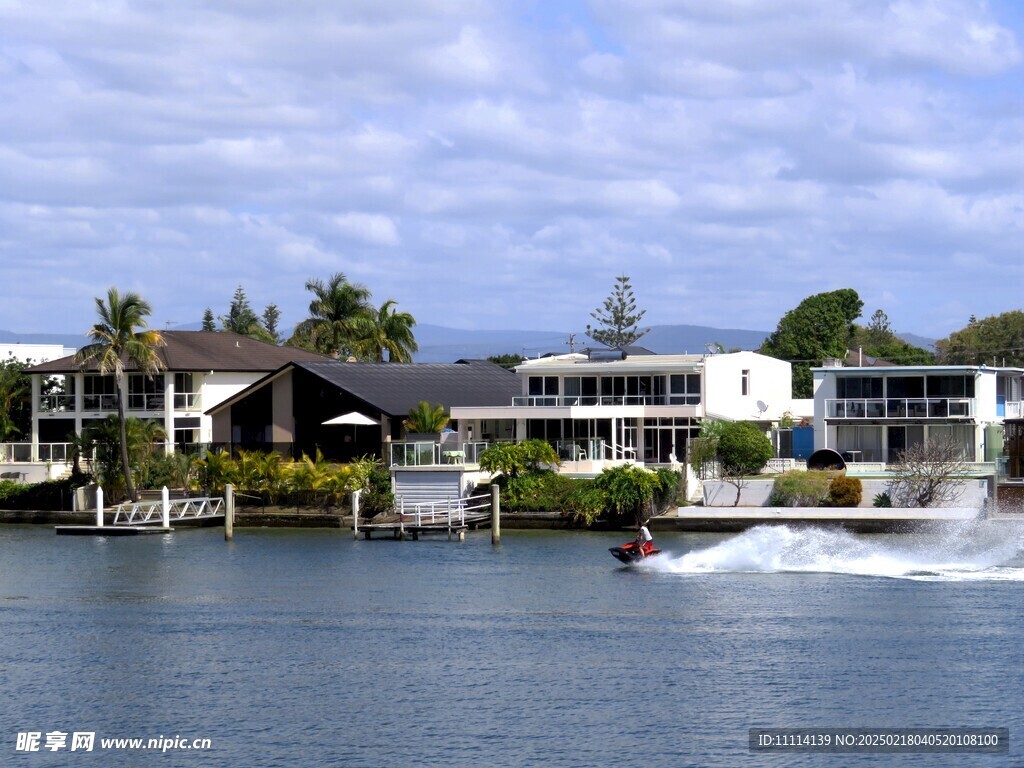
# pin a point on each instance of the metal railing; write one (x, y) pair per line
(56, 453)
(540, 401)
(146, 402)
(56, 403)
(425, 454)
(450, 511)
(580, 449)
(99, 402)
(900, 408)
(147, 512)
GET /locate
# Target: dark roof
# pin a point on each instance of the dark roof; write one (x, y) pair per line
(205, 351)
(396, 388)
(855, 359)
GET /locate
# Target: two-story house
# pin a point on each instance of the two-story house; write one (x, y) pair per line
(871, 414)
(200, 370)
(632, 405)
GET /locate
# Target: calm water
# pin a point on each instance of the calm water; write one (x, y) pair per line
(306, 648)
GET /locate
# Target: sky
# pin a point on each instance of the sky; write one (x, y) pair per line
(495, 165)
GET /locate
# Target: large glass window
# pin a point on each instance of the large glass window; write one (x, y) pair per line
(580, 390)
(145, 393)
(99, 393)
(854, 387)
(544, 389)
(684, 389)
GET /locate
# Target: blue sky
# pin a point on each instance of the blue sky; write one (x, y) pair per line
(497, 164)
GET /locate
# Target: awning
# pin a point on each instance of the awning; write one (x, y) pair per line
(353, 417)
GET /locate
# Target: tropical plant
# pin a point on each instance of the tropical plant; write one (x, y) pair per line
(426, 418)
(216, 470)
(104, 437)
(15, 399)
(118, 339)
(618, 319)
(628, 490)
(515, 459)
(332, 327)
(882, 500)
(384, 330)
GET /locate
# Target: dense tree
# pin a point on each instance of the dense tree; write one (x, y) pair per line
(508, 361)
(618, 318)
(877, 339)
(820, 327)
(209, 323)
(271, 315)
(743, 450)
(15, 400)
(335, 313)
(121, 338)
(385, 330)
(243, 320)
(992, 340)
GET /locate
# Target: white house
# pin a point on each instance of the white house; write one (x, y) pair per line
(200, 370)
(631, 405)
(871, 414)
(34, 353)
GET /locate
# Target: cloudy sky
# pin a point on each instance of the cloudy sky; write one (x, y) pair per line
(497, 164)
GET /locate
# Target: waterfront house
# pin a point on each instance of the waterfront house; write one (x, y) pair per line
(286, 410)
(201, 369)
(871, 413)
(630, 405)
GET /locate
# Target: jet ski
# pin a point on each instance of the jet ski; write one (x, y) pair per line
(629, 553)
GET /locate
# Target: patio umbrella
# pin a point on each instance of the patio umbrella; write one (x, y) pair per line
(352, 417)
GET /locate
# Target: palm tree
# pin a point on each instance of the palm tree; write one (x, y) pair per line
(120, 338)
(386, 329)
(426, 418)
(334, 313)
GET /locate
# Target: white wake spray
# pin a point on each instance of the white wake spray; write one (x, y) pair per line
(949, 551)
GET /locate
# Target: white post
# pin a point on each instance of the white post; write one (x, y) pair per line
(355, 512)
(165, 506)
(495, 515)
(99, 506)
(229, 512)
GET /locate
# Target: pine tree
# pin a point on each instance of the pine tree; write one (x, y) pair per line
(618, 317)
(270, 317)
(242, 320)
(209, 323)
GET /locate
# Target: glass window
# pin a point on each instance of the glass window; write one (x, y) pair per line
(744, 382)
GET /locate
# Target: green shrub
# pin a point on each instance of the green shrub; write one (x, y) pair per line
(628, 489)
(844, 491)
(882, 499)
(49, 495)
(800, 489)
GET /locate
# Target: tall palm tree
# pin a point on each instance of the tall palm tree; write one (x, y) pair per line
(120, 338)
(334, 313)
(386, 329)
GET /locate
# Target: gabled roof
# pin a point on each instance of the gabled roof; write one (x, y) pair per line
(396, 388)
(205, 351)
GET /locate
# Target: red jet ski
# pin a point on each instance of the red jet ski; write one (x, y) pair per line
(629, 553)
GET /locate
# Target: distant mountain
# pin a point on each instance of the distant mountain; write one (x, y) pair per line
(74, 340)
(918, 341)
(444, 345)
(439, 344)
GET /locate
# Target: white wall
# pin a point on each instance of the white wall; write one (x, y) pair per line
(218, 387)
(37, 353)
(771, 382)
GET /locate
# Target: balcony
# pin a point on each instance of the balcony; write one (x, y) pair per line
(429, 454)
(99, 402)
(547, 401)
(900, 408)
(146, 402)
(56, 403)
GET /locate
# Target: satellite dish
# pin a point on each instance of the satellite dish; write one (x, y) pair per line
(761, 407)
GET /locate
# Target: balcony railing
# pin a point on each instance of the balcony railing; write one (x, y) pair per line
(426, 454)
(56, 403)
(901, 408)
(57, 453)
(187, 401)
(540, 401)
(99, 402)
(146, 402)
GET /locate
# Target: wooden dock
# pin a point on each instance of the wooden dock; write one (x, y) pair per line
(402, 527)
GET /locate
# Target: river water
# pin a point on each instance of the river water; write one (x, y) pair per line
(306, 648)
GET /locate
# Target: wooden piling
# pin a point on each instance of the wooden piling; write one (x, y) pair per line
(229, 512)
(495, 515)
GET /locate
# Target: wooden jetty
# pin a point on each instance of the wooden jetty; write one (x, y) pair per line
(452, 517)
